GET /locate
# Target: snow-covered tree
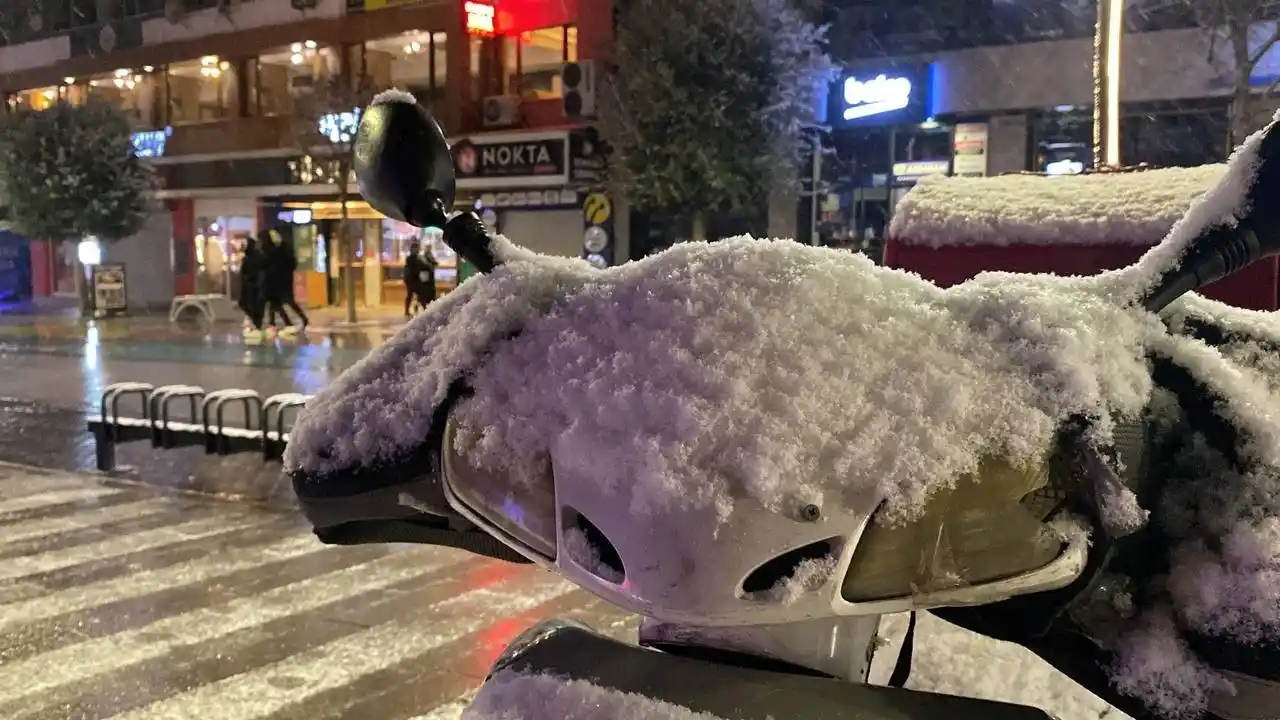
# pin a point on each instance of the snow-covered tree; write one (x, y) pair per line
(708, 104)
(325, 120)
(70, 172)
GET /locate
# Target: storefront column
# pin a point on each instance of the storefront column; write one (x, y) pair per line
(372, 263)
(457, 72)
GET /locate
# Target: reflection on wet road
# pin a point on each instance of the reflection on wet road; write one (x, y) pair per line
(53, 371)
(118, 603)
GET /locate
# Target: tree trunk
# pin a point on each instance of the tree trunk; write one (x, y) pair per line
(699, 226)
(348, 251)
(1242, 100)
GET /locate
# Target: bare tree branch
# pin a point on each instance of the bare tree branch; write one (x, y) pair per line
(1266, 46)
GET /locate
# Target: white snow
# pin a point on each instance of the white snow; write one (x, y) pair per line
(810, 575)
(393, 95)
(772, 371)
(579, 548)
(519, 696)
(1133, 208)
(764, 369)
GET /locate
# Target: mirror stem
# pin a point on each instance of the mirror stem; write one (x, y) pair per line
(467, 236)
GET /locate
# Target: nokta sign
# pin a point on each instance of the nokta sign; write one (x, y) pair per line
(534, 157)
(890, 97)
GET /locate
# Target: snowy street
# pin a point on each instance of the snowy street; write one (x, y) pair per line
(121, 603)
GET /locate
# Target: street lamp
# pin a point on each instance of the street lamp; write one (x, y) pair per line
(1107, 36)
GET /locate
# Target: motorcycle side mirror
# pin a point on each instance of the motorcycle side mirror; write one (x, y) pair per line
(1222, 250)
(404, 170)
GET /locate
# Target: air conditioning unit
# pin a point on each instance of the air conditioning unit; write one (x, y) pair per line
(578, 79)
(501, 110)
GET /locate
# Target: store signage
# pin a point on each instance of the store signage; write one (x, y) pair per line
(969, 149)
(917, 169)
(901, 95)
(587, 162)
(109, 290)
(597, 221)
(876, 96)
(481, 18)
(150, 143)
(531, 199)
(484, 161)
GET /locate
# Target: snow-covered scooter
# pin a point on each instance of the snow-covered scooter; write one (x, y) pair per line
(763, 448)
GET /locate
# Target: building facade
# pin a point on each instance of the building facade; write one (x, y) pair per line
(1021, 107)
(224, 95)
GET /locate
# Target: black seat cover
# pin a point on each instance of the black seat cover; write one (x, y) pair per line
(739, 693)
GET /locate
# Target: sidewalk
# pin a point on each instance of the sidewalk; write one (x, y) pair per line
(336, 317)
(58, 318)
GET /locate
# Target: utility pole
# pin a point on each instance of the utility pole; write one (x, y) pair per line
(1107, 36)
(816, 204)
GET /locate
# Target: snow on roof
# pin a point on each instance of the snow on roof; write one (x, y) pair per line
(1133, 208)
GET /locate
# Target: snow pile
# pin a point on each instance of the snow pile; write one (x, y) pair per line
(1252, 338)
(510, 695)
(759, 369)
(1135, 208)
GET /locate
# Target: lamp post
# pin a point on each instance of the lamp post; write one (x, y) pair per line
(1107, 36)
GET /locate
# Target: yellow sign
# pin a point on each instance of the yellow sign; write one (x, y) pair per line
(370, 5)
(597, 209)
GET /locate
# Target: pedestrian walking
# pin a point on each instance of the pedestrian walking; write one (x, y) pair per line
(251, 296)
(419, 279)
(279, 266)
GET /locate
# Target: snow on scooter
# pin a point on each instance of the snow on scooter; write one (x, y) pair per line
(762, 448)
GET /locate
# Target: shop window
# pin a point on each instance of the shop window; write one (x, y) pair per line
(526, 64)
(37, 99)
(139, 92)
(219, 246)
(413, 61)
(201, 90)
(1175, 137)
(283, 75)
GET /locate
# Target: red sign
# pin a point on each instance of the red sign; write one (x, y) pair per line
(512, 17)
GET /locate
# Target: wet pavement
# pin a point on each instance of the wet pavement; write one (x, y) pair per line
(119, 602)
(53, 370)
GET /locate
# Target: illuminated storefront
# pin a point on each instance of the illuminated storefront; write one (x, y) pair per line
(885, 138)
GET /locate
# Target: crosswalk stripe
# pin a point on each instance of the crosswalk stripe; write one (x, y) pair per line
(76, 663)
(214, 611)
(54, 497)
(126, 544)
(153, 581)
(257, 694)
(41, 527)
(451, 710)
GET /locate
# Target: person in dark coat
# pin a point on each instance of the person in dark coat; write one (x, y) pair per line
(279, 266)
(419, 278)
(251, 301)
